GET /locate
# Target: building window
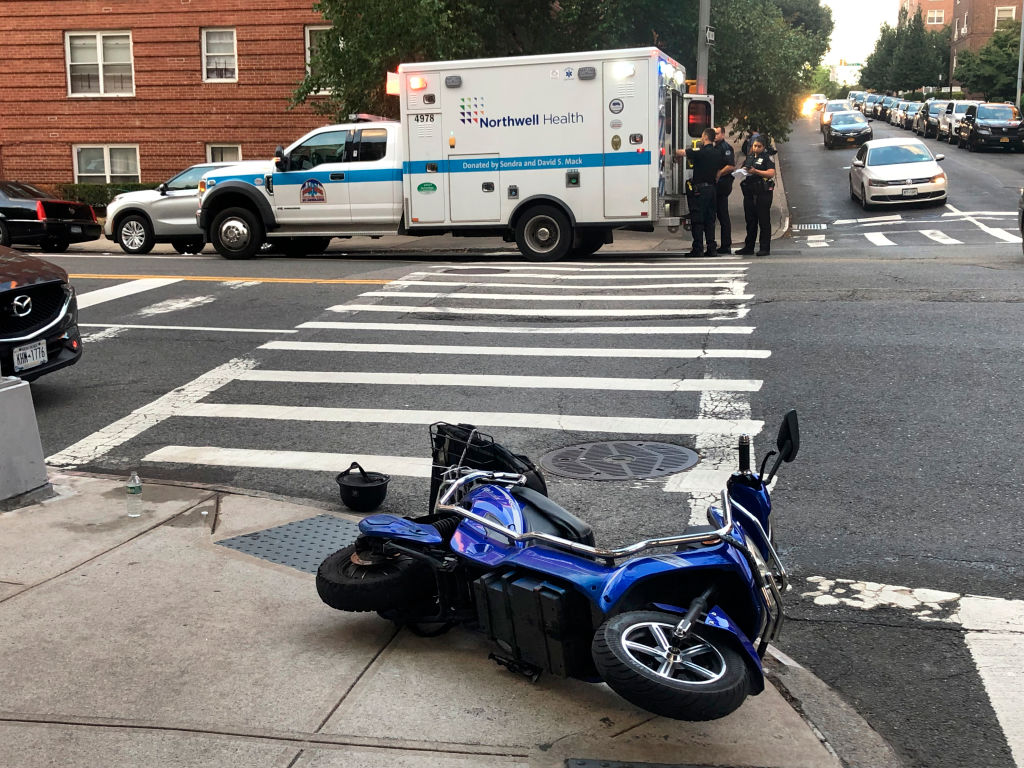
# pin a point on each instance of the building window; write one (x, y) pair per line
(314, 39)
(99, 63)
(112, 164)
(220, 58)
(1005, 13)
(224, 153)
(936, 16)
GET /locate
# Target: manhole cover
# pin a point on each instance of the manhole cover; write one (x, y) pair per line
(618, 460)
(302, 544)
(477, 271)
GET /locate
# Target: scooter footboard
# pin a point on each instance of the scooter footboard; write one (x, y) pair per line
(537, 622)
(719, 620)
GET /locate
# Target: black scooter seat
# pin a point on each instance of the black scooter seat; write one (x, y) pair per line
(545, 516)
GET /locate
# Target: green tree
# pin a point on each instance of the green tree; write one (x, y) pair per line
(912, 61)
(992, 71)
(756, 69)
(876, 73)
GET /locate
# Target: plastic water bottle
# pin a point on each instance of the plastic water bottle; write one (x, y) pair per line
(133, 495)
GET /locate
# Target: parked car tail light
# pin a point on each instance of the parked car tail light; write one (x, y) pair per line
(92, 212)
(40, 211)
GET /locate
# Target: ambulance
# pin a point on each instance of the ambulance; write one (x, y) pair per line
(552, 152)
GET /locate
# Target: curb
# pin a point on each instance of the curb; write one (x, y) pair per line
(842, 730)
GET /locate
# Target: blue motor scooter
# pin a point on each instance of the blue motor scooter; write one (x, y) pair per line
(676, 625)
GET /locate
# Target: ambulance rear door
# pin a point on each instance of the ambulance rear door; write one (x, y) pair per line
(627, 147)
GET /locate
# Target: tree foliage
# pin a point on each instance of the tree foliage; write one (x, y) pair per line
(764, 54)
(992, 71)
(906, 56)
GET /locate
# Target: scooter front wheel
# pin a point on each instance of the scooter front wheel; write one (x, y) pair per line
(354, 580)
(705, 680)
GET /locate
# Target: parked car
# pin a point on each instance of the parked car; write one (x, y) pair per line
(949, 120)
(137, 221)
(847, 129)
(29, 216)
(868, 107)
(927, 122)
(830, 108)
(991, 125)
(1020, 218)
(885, 106)
(898, 109)
(855, 97)
(907, 118)
(38, 317)
(893, 171)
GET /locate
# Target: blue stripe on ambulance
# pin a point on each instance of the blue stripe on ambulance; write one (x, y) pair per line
(531, 162)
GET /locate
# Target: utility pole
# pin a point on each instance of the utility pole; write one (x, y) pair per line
(1020, 54)
(705, 38)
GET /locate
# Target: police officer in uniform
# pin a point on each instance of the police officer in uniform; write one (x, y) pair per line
(723, 190)
(707, 169)
(758, 188)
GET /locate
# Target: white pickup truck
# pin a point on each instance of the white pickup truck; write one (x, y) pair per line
(552, 152)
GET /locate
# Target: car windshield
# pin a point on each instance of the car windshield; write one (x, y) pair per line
(961, 108)
(1000, 112)
(895, 154)
(913, 107)
(848, 119)
(21, 190)
(838, 106)
(188, 179)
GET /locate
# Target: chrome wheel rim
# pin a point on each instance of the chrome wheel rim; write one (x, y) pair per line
(133, 234)
(235, 234)
(697, 662)
(542, 234)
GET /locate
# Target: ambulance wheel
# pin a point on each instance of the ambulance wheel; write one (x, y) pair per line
(236, 233)
(544, 234)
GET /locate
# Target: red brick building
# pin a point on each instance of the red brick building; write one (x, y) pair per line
(974, 21)
(935, 13)
(134, 91)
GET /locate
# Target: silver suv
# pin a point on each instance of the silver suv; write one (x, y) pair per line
(137, 221)
(949, 120)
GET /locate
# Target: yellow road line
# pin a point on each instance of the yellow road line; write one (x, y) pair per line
(205, 278)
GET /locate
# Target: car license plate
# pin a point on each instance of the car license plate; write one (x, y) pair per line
(1005, 139)
(851, 139)
(75, 229)
(30, 355)
(910, 191)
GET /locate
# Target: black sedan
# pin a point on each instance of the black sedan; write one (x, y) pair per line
(38, 317)
(29, 216)
(847, 129)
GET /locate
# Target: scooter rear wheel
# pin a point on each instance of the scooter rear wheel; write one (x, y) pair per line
(708, 680)
(348, 581)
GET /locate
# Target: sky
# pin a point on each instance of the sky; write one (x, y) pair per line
(856, 27)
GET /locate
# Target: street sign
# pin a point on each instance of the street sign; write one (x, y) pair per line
(709, 35)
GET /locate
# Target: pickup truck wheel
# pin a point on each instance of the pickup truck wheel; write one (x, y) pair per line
(135, 235)
(544, 234)
(236, 233)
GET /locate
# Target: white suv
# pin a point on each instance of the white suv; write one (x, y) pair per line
(949, 120)
(137, 221)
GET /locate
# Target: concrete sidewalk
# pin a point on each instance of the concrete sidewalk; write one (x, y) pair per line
(146, 642)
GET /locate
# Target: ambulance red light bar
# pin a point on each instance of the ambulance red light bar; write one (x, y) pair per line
(417, 83)
(392, 88)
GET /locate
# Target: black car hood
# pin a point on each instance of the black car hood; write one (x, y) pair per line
(999, 123)
(18, 270)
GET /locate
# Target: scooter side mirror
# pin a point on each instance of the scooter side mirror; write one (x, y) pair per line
(788, 441)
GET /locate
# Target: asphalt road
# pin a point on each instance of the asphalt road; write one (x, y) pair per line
(902, 359)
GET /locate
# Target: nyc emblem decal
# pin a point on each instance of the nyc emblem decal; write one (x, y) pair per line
(312, 192)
